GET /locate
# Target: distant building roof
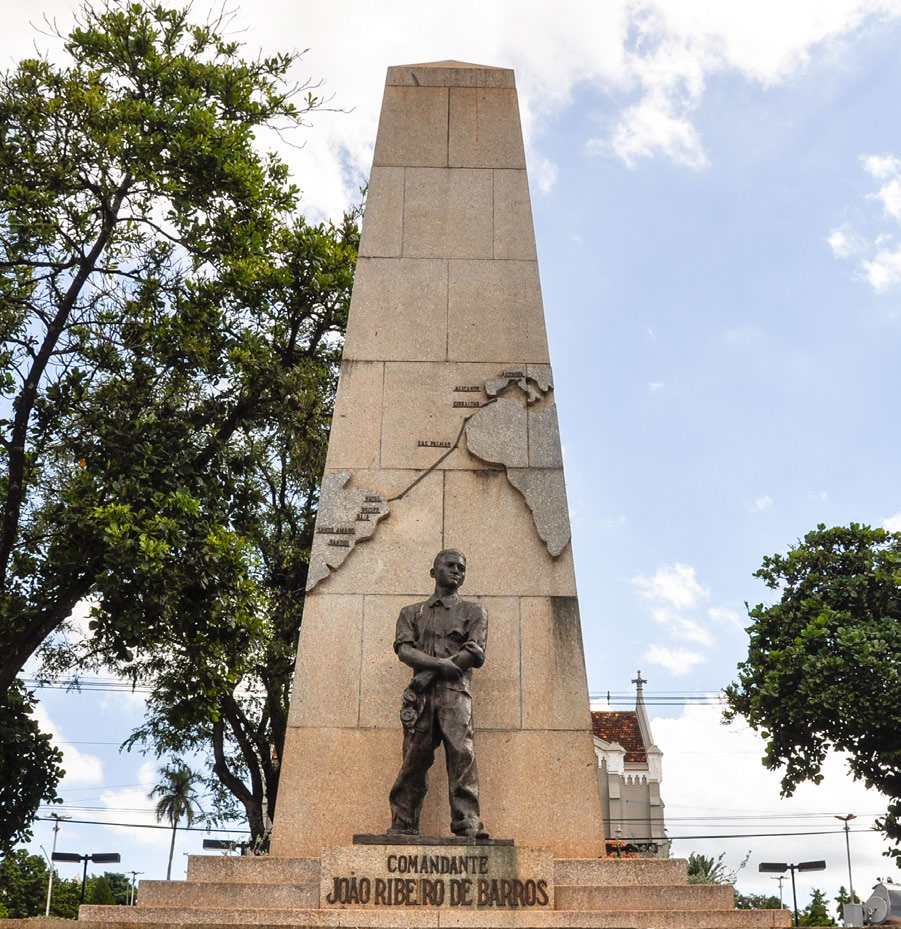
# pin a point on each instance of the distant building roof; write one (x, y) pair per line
(622, 728)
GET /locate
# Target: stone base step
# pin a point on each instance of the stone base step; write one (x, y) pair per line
(111, 917)
(615, 872)
(219, 894)
(662, 897)
(250, 869)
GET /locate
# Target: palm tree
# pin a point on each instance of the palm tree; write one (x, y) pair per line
(177, 798)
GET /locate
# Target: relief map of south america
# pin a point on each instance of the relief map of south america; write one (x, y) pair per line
(516, 428)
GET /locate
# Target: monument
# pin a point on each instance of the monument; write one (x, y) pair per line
(444, 439)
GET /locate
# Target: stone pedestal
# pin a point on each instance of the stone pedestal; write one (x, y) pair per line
(591, 893)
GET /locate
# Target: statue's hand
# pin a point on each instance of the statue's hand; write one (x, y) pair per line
(449, 670)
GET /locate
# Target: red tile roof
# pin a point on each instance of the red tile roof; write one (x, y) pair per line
(623, 729)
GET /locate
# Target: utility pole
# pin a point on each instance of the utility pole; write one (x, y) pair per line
(781, 878)
(58, 819)
(846, 820)
(134, 877)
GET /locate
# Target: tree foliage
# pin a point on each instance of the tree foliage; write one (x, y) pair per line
(757, 901)
(242, 730)
(816, 912)
(163, 314)
(23, 888)
(705, 869)
(824, 662)
(29, 770)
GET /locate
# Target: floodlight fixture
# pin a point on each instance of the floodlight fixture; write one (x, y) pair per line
(97, 858)
(778, 867)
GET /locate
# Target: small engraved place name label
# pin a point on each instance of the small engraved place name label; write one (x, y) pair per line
(334, 530)
(433, 443)
(340, 543)
(514, 374)
(371, 509)
(363, 517)
(467, 403)
(467, 390)
(372, 498)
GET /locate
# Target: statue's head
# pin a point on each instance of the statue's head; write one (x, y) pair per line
(449, 568)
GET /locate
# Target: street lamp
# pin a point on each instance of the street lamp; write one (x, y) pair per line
(846, 820)
(781, 878)
(780, 867)
(134, 878)
(98, 858)
(58, 819)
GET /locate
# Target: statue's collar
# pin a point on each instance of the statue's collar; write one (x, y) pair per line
(447, 602)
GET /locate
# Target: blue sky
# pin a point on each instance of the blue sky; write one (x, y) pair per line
(717, 207)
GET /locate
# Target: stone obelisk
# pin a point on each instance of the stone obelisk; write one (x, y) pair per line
(444, 435)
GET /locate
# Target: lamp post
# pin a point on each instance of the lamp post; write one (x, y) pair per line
(846, 820)
(98, 858)
(134, 877)
(58, 819)
(780, 867)
(781, 878)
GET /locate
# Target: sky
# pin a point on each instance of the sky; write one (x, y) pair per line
(716, 190)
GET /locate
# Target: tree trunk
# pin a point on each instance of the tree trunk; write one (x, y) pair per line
(171, 851)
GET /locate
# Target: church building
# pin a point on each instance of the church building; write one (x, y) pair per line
(630, 769)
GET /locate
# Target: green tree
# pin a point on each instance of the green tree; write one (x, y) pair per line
(23, 888)
(98, 891)
(119, 885)
(242, 731)
(177, 800)
(816, 913)
(824, 662)
(29, 770)
(705, 869)
(142, 235)
(757, 901)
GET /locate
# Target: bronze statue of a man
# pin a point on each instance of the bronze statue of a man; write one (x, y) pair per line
(442, 640)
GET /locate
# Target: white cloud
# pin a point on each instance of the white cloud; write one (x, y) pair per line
(546, 175)
(133, 805)
(722, 615)
(844, 243)
(654, 386)
(893, 523)
(674, 584)
(675, 660)
(761, 503)
(656, 56)
(714, 783)
(884, 270)
(80, 767)
(885, 168)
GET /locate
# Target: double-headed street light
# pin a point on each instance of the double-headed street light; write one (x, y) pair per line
(99, 858)
(780, 867)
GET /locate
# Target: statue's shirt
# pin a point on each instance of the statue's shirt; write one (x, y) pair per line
(443, 627)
